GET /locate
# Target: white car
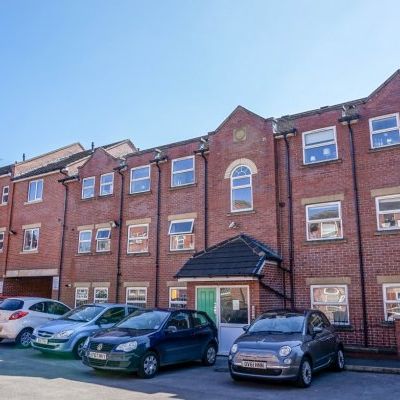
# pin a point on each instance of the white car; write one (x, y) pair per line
(19, 316)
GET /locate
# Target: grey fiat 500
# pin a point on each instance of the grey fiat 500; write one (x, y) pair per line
(287, 345)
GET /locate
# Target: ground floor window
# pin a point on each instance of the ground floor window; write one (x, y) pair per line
(81, 296)
(1, 241)
(332, 300)
(177, 297)
(136, 296)
(100, 295)
(234, 305)
(391, 298)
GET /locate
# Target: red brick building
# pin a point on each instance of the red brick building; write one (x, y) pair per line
(300, 211)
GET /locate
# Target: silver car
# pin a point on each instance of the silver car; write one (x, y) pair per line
(286, 345)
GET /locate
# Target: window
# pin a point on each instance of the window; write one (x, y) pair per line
(106, 184)
(388, 212)
(324, 221)
(199, 319)
(181, 235)
(140, 179)
(138, 238)
(319, 145)
(180, 321)
(81, 296)
(1, 241)
(85, 241)
(31, 239)
(35, 190)
(100, 295)
(234, 305)
(39, 307)
(391, 299)
(136, 296)
(56, 308)
(384, 131)
(103, 239)
(4, 195)
(112, 316)
(332, 300)
(182, 171)
(316, 321)
(88, 187)
(177, 297)
(241, 189)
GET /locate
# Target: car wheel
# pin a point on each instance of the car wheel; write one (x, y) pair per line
(77, 352)
(340, 361)
(24, 338)
(148, 366)
(209, 355)
(304, 378)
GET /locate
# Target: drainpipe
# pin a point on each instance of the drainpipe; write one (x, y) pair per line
(349, 120)
(12, 185)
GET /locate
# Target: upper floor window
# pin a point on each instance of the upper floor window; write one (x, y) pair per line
(138, 238)
(31, 239)
(35, 190)
(181, 235)
(324, 221)
(103, 239)
(183, 171)
(4, 195)
(384, 131)
(319, 145)
(88, 187)
(140, 179)
(85, 241)
(391, 299)
(388, 212)
(241, 189)
(106, 184)
(1, 241)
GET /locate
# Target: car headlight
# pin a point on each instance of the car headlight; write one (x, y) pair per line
(64, 334)
(86, 343)
(284, 351)
(234, 348)
(128, 346)
(35, 332)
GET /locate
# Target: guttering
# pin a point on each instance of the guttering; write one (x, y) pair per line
(349, 120)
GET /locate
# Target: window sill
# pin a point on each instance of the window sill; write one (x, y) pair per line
(246, 212)
(388, 232)
(144, 254)
(189, 185)
(108, 196)
(29, 252)
(147, 192)
(343, 328)
(321, 163)
(83, 254)
(387, 324)
(324, 241)
(177, 252)
(27, 203)
(4, 204)
(384, 148)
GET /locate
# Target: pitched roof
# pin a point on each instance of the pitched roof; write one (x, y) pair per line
(6, 169)
(238, 256)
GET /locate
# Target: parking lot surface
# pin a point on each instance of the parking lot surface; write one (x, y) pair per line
(27, 374)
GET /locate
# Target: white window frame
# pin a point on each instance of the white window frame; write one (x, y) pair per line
(84, 241)
(385, 300)
(136, 303)
(95, 298)
(89, 187)
(184, 170)
(378, 213)
(372, 133)
(133, 239)
(177, 302)
(308, 206)
(3, 194)
(132, 180)
(86, 289)
(2, 238)
(241, 187)
(334, 141)
(31, 249)
(346, 292)
(99, 240)
(171, 235)
(102, 184)
(36, 198)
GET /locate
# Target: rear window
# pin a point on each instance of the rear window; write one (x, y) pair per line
(11, 304)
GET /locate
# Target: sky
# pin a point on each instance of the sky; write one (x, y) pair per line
(161, 71)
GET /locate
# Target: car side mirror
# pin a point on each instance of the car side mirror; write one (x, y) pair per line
(317, 330)
(171, 329)
(246, 328)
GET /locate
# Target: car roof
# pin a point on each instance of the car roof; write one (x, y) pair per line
(28, 298)
(283, 311)
(106, 305)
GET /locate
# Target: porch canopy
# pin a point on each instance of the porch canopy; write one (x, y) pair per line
(240, 256)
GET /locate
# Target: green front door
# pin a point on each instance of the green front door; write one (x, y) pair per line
(206, 301)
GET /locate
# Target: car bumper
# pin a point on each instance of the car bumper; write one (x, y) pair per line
(9, 330)
(60, 346)
(115, 361)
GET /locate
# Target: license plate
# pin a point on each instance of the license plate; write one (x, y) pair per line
(42, 340)
(254, 364)
(97, 356)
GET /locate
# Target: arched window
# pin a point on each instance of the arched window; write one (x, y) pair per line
(241, 189)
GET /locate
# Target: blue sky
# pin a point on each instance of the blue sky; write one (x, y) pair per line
(163, 71)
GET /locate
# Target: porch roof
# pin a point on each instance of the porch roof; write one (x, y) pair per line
(238, 256)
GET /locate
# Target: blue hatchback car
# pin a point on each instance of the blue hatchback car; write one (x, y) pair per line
(68, 333)
(148, 339)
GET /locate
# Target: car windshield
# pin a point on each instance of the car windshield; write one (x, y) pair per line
(11, 304)
(278, 323)
(144, 320)
(83, 313)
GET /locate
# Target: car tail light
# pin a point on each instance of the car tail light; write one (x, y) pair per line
(18, 315)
